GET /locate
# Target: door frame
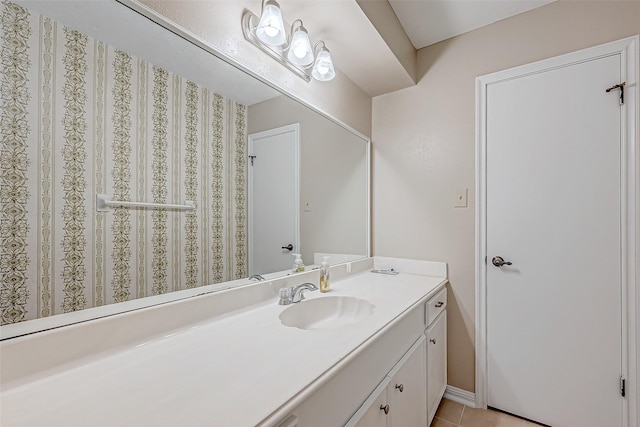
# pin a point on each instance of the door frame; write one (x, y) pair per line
(295, 128)
(630, 160)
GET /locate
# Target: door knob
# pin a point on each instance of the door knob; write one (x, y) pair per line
(498, 261)
(289, 247)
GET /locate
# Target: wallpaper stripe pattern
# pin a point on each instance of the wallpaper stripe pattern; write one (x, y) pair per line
(218, 190)
(79, 118)
(191, 184)
(121, 149)
(74, 181)
(159, 186)
(99, 183)
(14, 194)
(142, 166)
(45, 189)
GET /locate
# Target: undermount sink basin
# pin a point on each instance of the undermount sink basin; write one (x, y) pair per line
(330, 312)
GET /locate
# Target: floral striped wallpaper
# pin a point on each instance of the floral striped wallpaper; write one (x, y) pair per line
(80, 118)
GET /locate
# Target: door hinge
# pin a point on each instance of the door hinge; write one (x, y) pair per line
(623, 386)
(252, 159)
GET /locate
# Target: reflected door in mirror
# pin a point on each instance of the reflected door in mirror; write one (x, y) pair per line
(274, 157)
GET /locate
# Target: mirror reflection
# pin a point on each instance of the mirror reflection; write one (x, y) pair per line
(97, 99)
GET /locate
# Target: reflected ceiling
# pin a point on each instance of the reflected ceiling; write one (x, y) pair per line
(94, 17)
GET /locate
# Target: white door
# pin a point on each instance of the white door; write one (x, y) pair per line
(553, 209)
(274, 163)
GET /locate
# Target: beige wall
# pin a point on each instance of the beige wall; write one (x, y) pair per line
(218, 24)
(424, 144)
(333, 178)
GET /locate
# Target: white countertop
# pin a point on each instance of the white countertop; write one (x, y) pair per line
(232, 371)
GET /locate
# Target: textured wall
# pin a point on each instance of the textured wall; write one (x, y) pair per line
(80, 118)
(424, 145)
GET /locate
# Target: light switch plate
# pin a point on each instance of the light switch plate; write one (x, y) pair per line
(307, 206)
(462, 198)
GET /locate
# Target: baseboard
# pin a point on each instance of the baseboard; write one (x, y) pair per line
(461, 396)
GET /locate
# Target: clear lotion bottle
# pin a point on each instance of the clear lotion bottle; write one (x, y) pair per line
(298, 265)
(324, 274)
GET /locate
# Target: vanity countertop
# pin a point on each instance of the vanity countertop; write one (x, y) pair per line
(236, 370)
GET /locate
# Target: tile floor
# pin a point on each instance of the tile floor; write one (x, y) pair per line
(454, 414)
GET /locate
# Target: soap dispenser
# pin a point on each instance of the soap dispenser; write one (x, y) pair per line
(324, 274)
(298, 266)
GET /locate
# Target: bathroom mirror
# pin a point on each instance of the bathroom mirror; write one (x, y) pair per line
(105, 101)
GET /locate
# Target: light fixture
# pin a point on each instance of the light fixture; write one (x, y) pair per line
(270, 28)
(300, 52)
(323, 66)
(294, 51)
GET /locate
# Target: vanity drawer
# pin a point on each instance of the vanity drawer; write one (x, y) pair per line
(436, 305)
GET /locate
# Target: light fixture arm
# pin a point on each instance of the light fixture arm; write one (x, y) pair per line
(288, 44)
(315, 47)
(294, 24)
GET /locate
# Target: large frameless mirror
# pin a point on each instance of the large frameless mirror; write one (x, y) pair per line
(99, 100)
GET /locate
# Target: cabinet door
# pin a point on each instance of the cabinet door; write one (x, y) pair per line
(436, 362)
(407, 390)
(375, 415)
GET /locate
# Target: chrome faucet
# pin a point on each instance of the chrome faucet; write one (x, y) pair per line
(295, 293)
(258, 277)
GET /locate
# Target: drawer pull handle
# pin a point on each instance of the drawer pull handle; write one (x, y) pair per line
(439, 304)
(385, 408)
(433, 340)
(400, 387)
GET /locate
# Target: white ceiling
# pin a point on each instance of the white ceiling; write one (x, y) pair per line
(430, 21)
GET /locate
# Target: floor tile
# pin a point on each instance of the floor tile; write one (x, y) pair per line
(472, 417)
(450, 411)
(437, 422)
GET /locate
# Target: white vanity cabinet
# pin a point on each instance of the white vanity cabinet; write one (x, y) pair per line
(436, 333)
(421, 374)
(399, 399)
(392, 354)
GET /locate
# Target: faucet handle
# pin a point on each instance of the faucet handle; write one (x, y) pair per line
(285, 296)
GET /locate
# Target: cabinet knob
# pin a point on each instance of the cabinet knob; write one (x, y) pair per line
(439, 304)
(400, 387)
(385, 408)
(433, 340)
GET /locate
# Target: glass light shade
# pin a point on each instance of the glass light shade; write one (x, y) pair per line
(323, 67)
(300, 52)
(270, 29)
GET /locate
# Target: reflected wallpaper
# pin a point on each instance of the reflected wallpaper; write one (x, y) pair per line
(79, 118)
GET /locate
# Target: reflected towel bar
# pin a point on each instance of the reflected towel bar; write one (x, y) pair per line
(104, 203)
